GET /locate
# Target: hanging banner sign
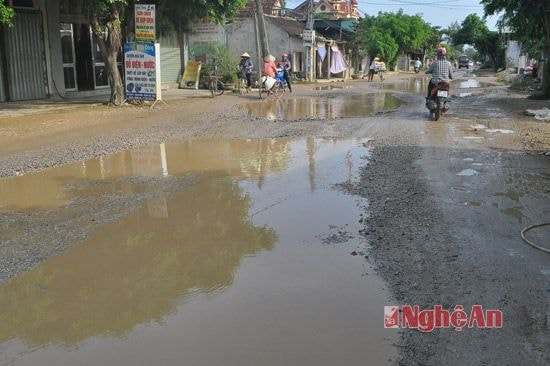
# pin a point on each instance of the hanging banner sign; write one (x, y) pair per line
(142, 71)
(145, 22)
(191, 75)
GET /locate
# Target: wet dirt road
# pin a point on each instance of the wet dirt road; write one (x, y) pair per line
(281, 250)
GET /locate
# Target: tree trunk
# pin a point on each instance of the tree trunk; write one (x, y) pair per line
(115, 79)
(109, 49)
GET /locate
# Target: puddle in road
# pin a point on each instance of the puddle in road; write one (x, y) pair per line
(499, 130)
(332, 87)
(468, 84)
(322, 108)
(413, 85)
(467, 173)
(234, 267)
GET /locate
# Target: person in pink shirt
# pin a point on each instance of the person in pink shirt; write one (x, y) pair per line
(270, 69)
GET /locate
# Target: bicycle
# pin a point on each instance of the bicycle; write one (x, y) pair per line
(278, 88)
(380, 71)
(242, 84)
(215, 85)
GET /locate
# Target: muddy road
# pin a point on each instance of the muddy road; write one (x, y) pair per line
(250, 232)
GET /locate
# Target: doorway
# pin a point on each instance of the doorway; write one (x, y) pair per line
(83, 57)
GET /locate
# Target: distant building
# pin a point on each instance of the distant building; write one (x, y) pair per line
(331, 9)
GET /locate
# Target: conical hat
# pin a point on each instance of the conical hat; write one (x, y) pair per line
(269, 58)
(245, 55)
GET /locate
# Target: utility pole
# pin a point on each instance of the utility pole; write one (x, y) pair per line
(310, 55)
(261, 28)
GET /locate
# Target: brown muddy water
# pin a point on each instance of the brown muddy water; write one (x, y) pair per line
(412, 85)
(237, 253)
(319, 108)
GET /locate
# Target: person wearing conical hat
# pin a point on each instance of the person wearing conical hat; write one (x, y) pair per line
(245, 68)
(270, 69)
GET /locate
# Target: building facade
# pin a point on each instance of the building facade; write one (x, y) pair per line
(50, 52)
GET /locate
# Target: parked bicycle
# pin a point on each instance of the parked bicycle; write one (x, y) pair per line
(215, 85)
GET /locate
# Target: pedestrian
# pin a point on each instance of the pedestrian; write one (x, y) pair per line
(372, 68)
(440, 70)
(287, 65)
(245, 68)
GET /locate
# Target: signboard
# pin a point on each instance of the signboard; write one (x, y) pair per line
(142, 71)
(145, 22)
(191, 75)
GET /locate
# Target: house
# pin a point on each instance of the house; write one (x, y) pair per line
(50, 51)
(284, 35)
(331, 9)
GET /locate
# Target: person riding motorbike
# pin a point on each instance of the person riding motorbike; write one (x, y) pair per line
(440, 69)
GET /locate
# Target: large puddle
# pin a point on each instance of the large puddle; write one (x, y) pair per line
(420, 85)
(237, 252)
(344, 106)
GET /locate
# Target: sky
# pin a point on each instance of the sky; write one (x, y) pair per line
(436, 12)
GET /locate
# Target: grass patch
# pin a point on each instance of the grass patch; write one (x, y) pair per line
(522, 84)
(539, 96)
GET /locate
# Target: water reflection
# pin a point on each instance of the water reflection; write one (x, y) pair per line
(322, 108)
(136, 269)
(414, 85)
(195, 268)
(332, 87)
(239, 158)
(468, 84)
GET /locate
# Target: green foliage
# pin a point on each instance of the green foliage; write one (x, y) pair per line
(180, 13)
(227, 64)
(474, 31)
(5, 14)
(530, 19)
(388, 34)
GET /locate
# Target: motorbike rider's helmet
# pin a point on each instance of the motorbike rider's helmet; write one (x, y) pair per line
(285, 55)
(441, 51)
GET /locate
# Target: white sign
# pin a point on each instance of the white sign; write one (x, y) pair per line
(142, 71)
(145, 22)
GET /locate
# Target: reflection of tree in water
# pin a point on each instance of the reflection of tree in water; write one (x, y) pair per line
(135, 270)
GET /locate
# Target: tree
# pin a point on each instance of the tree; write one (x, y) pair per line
(531, 20)
(111, 15)
(388, 34)
(474, 31)
(108, 15)
(5, 14)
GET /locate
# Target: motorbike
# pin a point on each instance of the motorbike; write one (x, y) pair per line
(416, 69)
(437, 104)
